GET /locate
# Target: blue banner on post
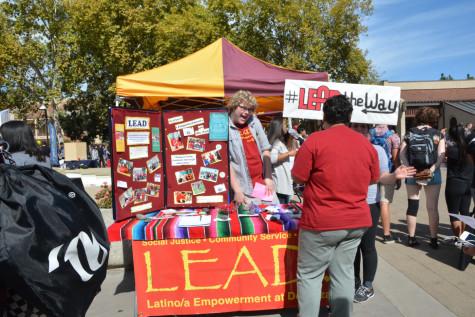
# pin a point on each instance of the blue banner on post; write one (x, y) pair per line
(53, 145)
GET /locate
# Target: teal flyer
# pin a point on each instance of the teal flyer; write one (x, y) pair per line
(155, 140)
(218, 126)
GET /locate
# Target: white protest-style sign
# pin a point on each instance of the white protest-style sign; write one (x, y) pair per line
(372, 104)
(137, 123)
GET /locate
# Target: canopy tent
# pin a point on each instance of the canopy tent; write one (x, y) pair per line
(209, 76)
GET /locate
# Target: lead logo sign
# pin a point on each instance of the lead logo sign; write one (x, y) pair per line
(137, 123)
(371, 103)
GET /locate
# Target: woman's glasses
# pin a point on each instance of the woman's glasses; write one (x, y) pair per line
(249, 110)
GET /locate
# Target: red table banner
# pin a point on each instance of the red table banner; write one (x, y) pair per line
(215, 275)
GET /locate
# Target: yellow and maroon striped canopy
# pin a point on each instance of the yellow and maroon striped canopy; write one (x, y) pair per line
(216, 71)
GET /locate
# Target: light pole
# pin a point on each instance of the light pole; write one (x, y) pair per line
(45, 109)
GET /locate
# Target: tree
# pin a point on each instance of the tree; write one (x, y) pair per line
(448, 77)
(74, 50)
(307, 35)
(470, 76)
(40, 67)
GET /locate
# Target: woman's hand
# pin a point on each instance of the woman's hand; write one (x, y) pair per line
(240, 198)
(292, 152)
(270, 187)
(403, 172)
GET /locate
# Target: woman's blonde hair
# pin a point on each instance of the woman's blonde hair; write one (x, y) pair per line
(243, 98)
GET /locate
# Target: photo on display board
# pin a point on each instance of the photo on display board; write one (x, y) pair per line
(211, 157)
(198, 188)
(182, 197)
(153, 189)
(140, 195)
(175, 141)
(195, 144)
(139, 174)
(184, 176)
(125, 167)
(209, 174)
(153, 164)
(126, 197)
(157, 178)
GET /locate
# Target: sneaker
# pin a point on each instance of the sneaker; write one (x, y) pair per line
(433, 243)
(388, 239)
(363, 294)
(412, 241)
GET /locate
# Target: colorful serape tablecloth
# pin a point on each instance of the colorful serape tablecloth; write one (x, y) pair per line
(163, 227)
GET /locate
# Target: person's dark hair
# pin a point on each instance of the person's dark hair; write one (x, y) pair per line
(301, 128)
(337, 109)
(20, 138)
(452, 123)
(457, 134)
(427, 116)
(275, 130)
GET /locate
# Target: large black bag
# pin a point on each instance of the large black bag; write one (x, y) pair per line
(53, 242)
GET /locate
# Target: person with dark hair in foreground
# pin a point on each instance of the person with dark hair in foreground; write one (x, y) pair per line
(335, 212)
(22, 144)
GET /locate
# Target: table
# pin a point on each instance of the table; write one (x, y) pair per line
(244, 264)
(151, 228)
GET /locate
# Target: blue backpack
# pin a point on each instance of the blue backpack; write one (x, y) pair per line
(381, 140)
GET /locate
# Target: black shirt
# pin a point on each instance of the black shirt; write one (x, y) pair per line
(460, 169)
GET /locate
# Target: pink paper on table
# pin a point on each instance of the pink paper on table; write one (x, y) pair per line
(260, 192)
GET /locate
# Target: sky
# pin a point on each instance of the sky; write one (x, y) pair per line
(411, 40)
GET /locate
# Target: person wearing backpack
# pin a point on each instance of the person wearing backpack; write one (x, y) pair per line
(424, 148)
(389, 140)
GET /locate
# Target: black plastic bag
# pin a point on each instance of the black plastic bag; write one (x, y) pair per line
(53, 243)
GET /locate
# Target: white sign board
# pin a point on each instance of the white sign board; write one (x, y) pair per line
(4, 116)
(371, 104)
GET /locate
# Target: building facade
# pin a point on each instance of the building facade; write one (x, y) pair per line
(450, 98)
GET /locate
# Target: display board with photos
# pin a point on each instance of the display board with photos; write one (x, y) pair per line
(196, 155)
(137, 162)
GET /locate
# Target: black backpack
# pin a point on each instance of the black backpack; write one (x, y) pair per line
(421, 149)
(53, 242)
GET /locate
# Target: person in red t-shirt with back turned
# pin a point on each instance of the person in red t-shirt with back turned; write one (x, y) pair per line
(336, 165)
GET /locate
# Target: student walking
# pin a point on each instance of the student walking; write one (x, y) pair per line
(424, 148)
(460, 169)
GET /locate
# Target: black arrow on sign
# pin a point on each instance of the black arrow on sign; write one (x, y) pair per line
(376, 111)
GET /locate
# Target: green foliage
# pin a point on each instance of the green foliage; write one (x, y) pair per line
(104, 196)
(443, 77)
(57, 50)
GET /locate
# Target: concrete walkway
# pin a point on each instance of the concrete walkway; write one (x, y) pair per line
(409, 281)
